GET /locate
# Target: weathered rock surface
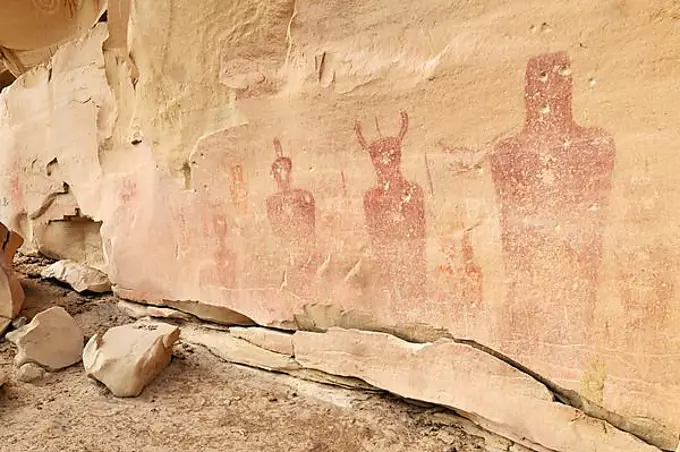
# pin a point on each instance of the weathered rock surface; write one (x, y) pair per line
(3, 378)
(138, 311)
(81, 278)
(230, 348)
(275, 341)
(29, 373)
(233, 349)
(217, 314)
(29, 31)
(127, 358)
(11, 293)
(536, 151)
(464, 379)
(53, 340)
(19, 322)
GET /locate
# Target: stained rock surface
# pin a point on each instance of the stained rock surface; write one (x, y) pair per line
(128, 357)
(52, 339)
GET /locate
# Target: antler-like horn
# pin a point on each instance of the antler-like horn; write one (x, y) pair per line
(377, 126)
(277, 148)
(404, 125)
(360, 135)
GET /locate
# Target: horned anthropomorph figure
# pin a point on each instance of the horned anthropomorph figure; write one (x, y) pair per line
(291, 211)
(395, 215)
(553, 182)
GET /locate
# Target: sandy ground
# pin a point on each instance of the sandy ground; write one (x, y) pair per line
(201, 403)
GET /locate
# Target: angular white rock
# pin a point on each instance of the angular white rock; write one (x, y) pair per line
(127, 358)
(53, 340)
(80, 277)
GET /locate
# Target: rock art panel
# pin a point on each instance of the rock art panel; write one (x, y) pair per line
(508, 254)
(553, 182)
(395, 218)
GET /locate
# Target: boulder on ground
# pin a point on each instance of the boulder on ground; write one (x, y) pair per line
(11, 242)
(127, 358)
(52, 339)
(30, 372)
(80, 277)
(11, 292)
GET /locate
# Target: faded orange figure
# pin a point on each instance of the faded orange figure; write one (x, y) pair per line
(239, 190)
(553, 182)
(471, 278)
(395, 216)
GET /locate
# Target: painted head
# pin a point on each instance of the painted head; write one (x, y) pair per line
(548, 90)
(282, 167)
(237, 173)
(385, 152)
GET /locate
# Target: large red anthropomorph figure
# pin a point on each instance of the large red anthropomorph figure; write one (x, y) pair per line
(553, 182)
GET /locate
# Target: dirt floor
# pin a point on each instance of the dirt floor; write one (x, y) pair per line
(201, 403)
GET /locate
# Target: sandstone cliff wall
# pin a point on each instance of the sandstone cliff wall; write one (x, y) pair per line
(499, 172)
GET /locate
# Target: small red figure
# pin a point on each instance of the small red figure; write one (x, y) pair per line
(291, 211)
(395, 215)
(221, 270)
(239, 191)
(472, 286)
(553, 181)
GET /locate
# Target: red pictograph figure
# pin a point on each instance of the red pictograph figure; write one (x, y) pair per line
(128, 191)
(472, 287)
(291, 211)
(395, 215)
(239, 190)
(220, 270)
(553, 181)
